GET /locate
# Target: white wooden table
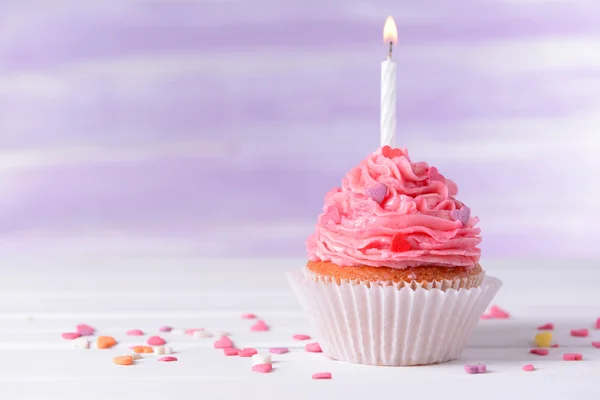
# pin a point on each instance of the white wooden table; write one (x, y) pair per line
(40, 298)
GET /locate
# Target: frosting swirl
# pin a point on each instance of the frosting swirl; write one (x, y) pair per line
(362, 220)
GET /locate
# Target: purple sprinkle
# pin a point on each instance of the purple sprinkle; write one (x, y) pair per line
(377, 192)
(461, 215)
(279, 350)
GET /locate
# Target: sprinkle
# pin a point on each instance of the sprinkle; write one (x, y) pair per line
(201, 334)
(486, 316)
(263, 368)
(572, 357)
(313, 348)
(259, 326)
(165, 328)
(70, 335)
(249, 352)
(497, 312)
(156, 341)
(134, 356)
(399, 243)
(475, 369)
(85, 330)
(142, 349)
(539, 352)
(543, 339)
(230, 351)
(167, 359)
(81, 343)
(159, 350)
(377, 192)
(191, 331)
(221, 333)
(322, 375)
(598, 323)
(528, 367)
(579, 332)
(105, 342)
(461, 215)
(261, 358)
(279, 350)
(168, 350)
(248, 316)
(546, 327)
(389, 152)
(223, 343)
(123, 360)
(135, 332)
(596, 344)
(554, 345)
(301, 337)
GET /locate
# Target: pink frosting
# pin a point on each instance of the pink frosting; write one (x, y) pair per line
(354, 229)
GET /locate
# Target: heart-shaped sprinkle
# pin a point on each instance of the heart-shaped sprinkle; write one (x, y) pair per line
(123, 360)
(223, 343)
(279, 350)
(135, 332)
(313, 348)
(546, 327)
(259, 326)
(497, 312)
(230, 351)
(399, 243)
(322, 375)
(461, 215)
(263, 368)
(105, 342)
(377, 192)
(85, 330)
(579, 332)
(156, 341)
(248, 316)
(539, 352)
(434, 175)
(388, 152)
(249, 352)
(528, 367)
(70, 335)
(165, 329)
(300, 336)
(167, 359)
(596, 344)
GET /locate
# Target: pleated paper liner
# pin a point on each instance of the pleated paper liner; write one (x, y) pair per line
(394, 324)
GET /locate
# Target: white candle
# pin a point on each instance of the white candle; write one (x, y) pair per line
(388, 87)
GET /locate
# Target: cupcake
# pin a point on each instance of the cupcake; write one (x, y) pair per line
(393, 276)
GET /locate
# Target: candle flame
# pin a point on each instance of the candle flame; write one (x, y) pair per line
(390, 32)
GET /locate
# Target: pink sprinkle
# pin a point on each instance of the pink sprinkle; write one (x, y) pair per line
(223, 343)
(259, 326)
(300, 337)
(471, 369)
(264, 368)
(248, 316)
(70, 335)
(279, 350)
(249, 352)
(486, 316)
(528, 367)
(497, 312)
(539, 352)
(546, 327)
(598, 323)
(596, 344)
(313, 348)
(322, 375)
(135, 332)
(156, 341)
(85, 330)
(572, 357)
(167, 359)
(555, 345)
(579, 332)
(191, 331)
(165, 329)
(230, 351)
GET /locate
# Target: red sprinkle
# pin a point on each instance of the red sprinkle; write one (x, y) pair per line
(248, 316)
(579, 332)
(596, 344)
(528, 367)
(156, 341)
(546, 327)
(264, 368)
(555, 345)
(539, 352)
(167, 359)
(165, 329)
(70, 335)
(313, 348)
(230, 351)
(279, 350)
(572, 357)
(223, 343)
(135, 332)
(399, 243)
(259, 326)
(497, 312)
(301, 337)
(322, 375)
(249, 352)
(85, 330)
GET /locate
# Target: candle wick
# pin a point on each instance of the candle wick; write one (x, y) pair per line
(390, 52)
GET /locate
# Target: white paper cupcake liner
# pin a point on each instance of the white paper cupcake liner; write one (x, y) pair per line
(391, 325)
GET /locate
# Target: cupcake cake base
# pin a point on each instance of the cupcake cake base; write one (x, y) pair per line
(393, 323)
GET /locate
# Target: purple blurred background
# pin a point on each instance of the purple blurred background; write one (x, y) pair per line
(215, 127)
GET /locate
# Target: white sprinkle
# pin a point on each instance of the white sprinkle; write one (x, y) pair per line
(160, 350)
(202, 334)
(261, 358)
(134, 355)
(221, 333)
(80, 343)
(167, 350)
